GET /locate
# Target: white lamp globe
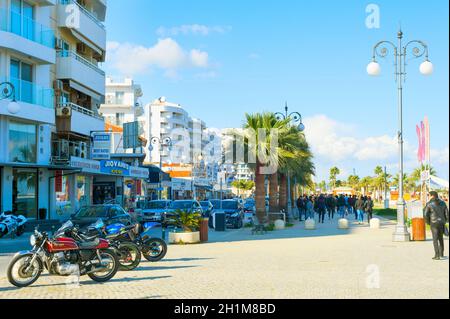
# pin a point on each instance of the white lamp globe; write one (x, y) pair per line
(427, 68)
(13, 107)
(374, 69)
(301, 127)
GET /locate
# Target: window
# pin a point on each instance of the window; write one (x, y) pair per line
(22, 78)
(120, 97)
(120, 117)
(22, 142)
(22, 14)
(24, 194)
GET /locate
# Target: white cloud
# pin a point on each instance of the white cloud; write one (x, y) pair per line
(192, 29)
(343, 145)
(167, 54)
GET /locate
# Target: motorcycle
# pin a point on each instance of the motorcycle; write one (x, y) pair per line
(129, 253)
(12, 225)
(63, 256)
(153, 249)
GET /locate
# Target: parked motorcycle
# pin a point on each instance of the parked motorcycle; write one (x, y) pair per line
(64, 255)
(12, 225)
(129, 253)
(153, 249)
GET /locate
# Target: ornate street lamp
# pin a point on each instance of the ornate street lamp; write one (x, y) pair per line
(296, 119)
(419, 49)
(8, 91)
(161, 143)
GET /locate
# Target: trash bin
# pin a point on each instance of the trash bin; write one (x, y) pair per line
(220, 222)
(419, 230)
(204, 230)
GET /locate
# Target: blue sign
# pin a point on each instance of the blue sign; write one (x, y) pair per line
(113, 167)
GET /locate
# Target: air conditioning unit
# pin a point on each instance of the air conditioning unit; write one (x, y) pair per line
(63, 111)
(75, 149)
(83, 150)
(81, 48)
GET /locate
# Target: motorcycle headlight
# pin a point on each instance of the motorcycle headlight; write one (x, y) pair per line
(33, 240)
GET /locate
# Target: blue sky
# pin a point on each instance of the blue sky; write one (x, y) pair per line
(222, 58)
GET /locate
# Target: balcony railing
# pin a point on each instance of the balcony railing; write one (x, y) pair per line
(25, 27)
(80, 109)
(79, 58)
(84, 10)
(29, 92)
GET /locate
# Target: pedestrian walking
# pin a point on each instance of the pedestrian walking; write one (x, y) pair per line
(360, 205)
(436, 215)
(369, 208)
(341, 205)
(309, 208)
(321, 208)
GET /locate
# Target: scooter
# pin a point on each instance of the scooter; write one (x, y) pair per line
(11, 224)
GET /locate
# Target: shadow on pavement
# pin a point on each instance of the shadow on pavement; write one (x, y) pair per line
(186, 259)
(163, 268)
(86, 283)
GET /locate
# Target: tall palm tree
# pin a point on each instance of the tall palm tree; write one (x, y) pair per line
(259, 127)
(334, 172)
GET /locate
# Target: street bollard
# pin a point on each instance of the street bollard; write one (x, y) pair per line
(204, 230)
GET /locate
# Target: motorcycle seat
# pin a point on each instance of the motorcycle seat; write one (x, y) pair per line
(89, 244)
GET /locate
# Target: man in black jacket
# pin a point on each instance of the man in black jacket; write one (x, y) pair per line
(436, 215)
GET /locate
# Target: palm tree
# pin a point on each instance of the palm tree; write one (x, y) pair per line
(334, 172)
(353, 181)
(259, 127)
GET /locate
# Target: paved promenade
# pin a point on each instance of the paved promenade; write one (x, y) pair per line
(326, 263)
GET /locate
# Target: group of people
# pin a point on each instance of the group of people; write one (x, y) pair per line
(343, 205)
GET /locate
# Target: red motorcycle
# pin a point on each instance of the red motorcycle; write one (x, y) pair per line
(65, 255)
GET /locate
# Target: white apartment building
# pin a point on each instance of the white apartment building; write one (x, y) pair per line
(122, 105)
(50, 52)
(164, 119)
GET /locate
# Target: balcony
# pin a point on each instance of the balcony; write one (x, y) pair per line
(82, 121)
(71, 66)
(26, 36)
(37, 102)
(87, 26)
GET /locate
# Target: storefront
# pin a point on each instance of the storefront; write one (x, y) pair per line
(88, 182)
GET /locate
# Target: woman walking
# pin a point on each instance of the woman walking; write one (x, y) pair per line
(360, 206)
(369, 209)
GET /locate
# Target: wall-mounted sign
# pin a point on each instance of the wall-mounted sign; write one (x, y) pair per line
(113, 167)
(101, 148)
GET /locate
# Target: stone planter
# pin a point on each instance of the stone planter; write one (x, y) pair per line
(184, 238)
(280, 224)
(375, 223)
(343, 224)
(310, 224)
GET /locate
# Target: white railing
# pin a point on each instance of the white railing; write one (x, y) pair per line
(79, 58)
(80, 109)
(89, 14)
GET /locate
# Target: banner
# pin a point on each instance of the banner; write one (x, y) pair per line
(101, 149)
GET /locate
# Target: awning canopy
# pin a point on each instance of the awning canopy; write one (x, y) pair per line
(438, 183)
(86, 91)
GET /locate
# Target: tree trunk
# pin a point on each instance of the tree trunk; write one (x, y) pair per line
(273, 194)
(283, 192)
(260, 194)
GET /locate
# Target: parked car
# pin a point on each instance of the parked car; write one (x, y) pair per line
(234, 213)
(249, 210)
(152, 211)
(109, 214)
(191, 206)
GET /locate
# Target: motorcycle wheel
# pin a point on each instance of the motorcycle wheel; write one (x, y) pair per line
(16, 271)
(113, 267)
(129, 256)
(154, 249)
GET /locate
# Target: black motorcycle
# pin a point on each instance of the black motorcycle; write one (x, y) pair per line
(128, 253)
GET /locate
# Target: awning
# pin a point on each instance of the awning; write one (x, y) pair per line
(438, 183)
(86, 91)
(87, 42)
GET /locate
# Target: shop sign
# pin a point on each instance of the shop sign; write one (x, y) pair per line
(58, 181)
(87, 166)
(113, 167)
(129, 183)
(101, 149)
(139, 172)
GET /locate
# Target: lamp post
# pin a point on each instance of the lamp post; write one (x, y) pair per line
(419, 49)
(297, 119)
(8, 91)
(161, 143)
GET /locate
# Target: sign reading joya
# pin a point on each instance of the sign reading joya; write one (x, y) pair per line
(115, 168)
